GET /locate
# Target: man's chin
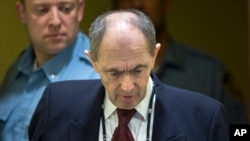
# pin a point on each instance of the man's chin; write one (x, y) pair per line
(57, 49)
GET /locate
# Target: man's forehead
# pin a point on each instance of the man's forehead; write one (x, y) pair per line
(121, 54)
(124, 65)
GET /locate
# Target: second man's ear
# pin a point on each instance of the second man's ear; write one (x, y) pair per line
(20, 9)
(81, 9)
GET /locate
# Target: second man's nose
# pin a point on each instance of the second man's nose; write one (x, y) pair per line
(54, 19)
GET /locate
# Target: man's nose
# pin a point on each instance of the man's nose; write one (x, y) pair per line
(55, 20)
(127, 83)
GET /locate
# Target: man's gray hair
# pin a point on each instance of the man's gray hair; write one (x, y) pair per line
(140, 21)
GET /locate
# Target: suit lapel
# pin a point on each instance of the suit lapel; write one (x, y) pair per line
(90, 133)
(76, 132)
(165, 126)
(86, 127)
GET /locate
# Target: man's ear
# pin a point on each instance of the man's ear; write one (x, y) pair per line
(20, 8)
(92, 59)
(81, 9)
(155, 53)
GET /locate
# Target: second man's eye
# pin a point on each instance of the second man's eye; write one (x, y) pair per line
(42, 10)
(66, 9)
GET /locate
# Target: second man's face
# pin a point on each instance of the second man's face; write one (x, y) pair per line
(52, 24)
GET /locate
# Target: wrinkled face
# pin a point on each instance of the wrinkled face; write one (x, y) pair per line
(124, 65)
(155, 9)
(52, 24)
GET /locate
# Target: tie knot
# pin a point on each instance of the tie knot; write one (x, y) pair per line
(124, 116)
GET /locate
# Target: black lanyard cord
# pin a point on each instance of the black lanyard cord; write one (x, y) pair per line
(103, 125)
(149, 114)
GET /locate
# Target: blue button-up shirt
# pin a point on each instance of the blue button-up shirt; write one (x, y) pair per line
(23, 86)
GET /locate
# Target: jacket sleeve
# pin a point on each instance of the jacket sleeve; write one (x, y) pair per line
(218, 130)
(37, 127)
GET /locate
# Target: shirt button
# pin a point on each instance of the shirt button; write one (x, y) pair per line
(53, 76)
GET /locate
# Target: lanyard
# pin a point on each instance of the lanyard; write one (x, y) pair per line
(148, 123)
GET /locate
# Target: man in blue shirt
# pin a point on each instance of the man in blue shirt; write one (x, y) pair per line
(182, 66)
(55, 54)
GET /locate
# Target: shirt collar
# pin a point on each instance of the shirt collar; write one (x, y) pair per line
(56, 64)
(26, 61)
(141, 108)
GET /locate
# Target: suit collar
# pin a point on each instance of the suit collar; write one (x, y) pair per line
(87, 127)
(165, 126)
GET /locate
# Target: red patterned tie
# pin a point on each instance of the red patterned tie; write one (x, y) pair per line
(122, 132)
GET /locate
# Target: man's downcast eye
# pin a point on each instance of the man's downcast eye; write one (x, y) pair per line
(115, 74)
(137, 71)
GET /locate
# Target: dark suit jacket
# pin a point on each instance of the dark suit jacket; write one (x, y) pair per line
(71, 111)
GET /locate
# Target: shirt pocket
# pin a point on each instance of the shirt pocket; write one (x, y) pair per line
(181, 137)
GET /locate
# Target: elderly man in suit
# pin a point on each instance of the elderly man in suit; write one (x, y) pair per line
(123, 51)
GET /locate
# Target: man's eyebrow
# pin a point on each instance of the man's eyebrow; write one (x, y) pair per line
(38, 3)
(140, 66)
(111, 70)
(133, 69)
(66, 2)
